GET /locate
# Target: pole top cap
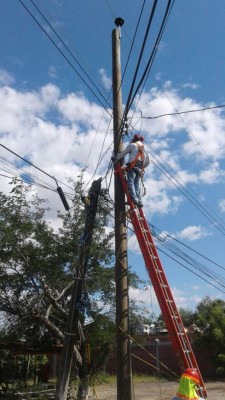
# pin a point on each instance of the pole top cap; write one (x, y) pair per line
(119, 21)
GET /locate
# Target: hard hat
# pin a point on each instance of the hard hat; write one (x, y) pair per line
(137, 137)
(192, 373)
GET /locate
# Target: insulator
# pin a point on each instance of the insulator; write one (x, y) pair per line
(62, 197)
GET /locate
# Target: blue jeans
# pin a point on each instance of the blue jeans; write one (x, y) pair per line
(133, 183)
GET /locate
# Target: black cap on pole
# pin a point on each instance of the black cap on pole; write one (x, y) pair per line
(119, 21)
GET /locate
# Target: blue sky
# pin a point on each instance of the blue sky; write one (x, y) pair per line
(50, 116)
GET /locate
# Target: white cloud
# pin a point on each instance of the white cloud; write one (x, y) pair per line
(211, 174)
(190, 85)
(5, 78)
(145, 297)
(107, 82)
(52, 72)
(192, 233)
(187, 301)
(63, 133)
(181, 299)
(222, 205)
(204, 131)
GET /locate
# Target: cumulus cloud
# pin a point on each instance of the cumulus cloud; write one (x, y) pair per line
(222, 205)
(184, 300)
(63, 133)
(5, 78)
(144, 297)
(52, 72)
(192, 233)
(203, 130)
(190, 85)
(107, 82)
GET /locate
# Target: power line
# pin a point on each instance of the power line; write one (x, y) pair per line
(189, 269)
(169, 245)
(39, 169)
(66, 58)
(209, 273)
(153, 227)
(155, 48)
(189, 196)
(133, 40)
(183, 112)
(151, 59)
(129, 102)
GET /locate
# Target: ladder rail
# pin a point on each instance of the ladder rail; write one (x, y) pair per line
(164, 284)
(173, 321)
(165, 300)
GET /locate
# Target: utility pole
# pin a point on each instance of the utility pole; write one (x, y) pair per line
(73, 331)
(124, 378)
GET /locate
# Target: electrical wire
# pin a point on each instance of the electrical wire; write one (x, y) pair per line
(203, 272)
(36, 167)
(74, 58)
(209, 273)
(129, 102)
(23, 175)
(183, 112)
(190, 270)
(192, 198)
(67, 59)
(133, 40)
(30, 163)
(153, 54)
(68, 45)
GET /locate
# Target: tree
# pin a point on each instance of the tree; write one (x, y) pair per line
(37, 269)
(211, 321)
(187, 316)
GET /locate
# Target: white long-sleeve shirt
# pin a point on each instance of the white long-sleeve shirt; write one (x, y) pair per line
(132, 149)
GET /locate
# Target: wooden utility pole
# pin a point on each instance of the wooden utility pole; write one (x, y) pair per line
(124, 378)
(73, 331)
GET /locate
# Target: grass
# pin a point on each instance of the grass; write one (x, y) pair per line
(102, 379)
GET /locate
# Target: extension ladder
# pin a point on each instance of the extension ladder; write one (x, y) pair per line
(172, 318)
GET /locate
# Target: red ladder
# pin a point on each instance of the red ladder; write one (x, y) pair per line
(172, 318)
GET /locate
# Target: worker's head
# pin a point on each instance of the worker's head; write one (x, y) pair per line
(192, 374)
(136, 138)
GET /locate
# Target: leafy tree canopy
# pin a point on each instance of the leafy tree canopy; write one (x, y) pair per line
(211, 320)
(38, 265)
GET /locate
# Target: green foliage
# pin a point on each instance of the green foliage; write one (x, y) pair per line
(38, 263)
(187, 316)
(211, 321)
(37, 269)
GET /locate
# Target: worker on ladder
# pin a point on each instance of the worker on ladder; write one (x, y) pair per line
(137, 162)
(189, 386)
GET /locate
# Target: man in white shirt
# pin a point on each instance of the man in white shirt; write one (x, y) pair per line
(138, 160)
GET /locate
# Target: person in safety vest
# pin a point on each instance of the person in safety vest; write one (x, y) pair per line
(137, 162)
(188, 387)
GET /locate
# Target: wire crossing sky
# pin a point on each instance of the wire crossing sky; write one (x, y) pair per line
(56, 113)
